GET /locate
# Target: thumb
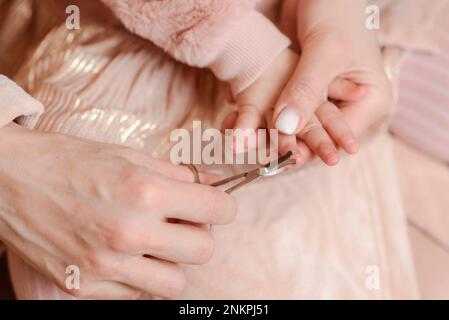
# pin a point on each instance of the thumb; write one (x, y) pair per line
(306, 89)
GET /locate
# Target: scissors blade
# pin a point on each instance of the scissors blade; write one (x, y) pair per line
(254, 174)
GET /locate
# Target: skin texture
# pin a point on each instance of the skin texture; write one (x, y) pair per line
(111, 211)
(338, 87)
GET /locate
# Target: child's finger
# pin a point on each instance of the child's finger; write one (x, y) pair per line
(345, 90)
(239, 144)
(229, 121)
(317, 139)
(284, 142)
(306, 153)
(249, 119)
(334, 123)
(288, 143)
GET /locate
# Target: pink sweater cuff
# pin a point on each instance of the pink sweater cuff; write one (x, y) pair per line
(16, 103)
(255, 43)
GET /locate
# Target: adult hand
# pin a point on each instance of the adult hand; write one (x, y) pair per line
(66, 201)
(337, 53)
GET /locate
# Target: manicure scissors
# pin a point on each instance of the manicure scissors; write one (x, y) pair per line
(267, 170)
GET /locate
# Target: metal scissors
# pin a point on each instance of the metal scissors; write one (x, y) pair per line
(250, 176)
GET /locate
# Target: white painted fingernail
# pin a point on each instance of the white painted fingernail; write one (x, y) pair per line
(288, 120)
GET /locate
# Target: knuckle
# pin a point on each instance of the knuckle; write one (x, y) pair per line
(205, 250)
(302, 90)
(155, 243)
(127, 176)
(121, 236)
(220, 207)
(330, 116)
(310, 127)
(144, 191)
(250, 110)
(152, 242)
(93, 262)
(99, 263)
(176, 283)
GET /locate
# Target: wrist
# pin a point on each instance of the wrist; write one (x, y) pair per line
(265, 91)
(249, 51)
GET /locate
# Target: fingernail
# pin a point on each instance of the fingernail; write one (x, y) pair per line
(333, 159)
(352, 146)
(329, 154)
(288, 120)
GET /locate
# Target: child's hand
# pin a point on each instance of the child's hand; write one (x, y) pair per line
(335, 43)
(327, 128)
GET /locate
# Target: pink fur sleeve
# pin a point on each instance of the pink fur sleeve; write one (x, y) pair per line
(230, 37)
(15, 103)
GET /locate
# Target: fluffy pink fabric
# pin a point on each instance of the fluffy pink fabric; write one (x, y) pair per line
(413, 24)
(228, 36)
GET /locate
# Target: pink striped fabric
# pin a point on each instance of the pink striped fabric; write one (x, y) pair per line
(422, 116)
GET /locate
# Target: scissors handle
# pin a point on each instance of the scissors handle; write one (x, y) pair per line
(229, 179)
(248, 178)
